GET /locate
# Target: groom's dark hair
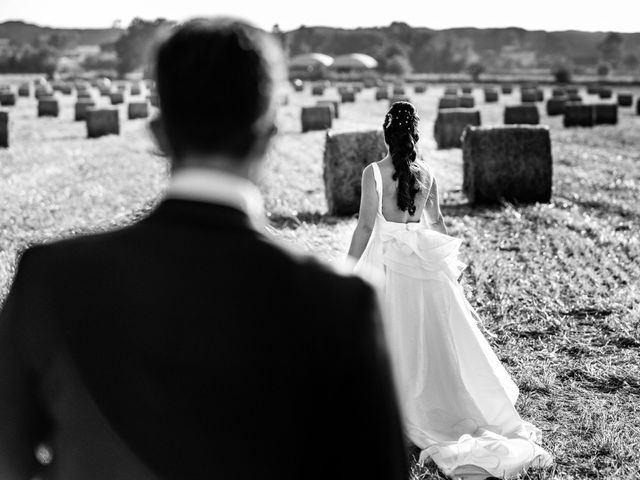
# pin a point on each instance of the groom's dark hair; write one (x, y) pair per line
(215, 79)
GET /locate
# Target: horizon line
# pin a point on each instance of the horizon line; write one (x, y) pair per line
(461, 27)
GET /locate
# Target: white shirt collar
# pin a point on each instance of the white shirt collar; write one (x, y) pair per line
(218, 187)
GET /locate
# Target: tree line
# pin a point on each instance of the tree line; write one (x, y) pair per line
(398, 48)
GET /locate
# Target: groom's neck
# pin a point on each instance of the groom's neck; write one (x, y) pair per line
(248, 169)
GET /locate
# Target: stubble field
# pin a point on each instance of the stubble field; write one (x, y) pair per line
(558, 285)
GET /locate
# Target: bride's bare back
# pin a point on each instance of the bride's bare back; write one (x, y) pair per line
(401, 135)
(390, 210)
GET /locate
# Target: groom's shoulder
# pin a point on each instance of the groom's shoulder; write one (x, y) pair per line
(77, 249)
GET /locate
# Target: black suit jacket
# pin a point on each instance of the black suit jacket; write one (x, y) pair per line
(194, 348)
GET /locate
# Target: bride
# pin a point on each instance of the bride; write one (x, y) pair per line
(457, 399)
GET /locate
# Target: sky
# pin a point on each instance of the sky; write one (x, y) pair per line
(590, 15)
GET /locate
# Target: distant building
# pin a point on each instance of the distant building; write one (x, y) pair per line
(310, 66)
(354, 63)
(354, 66)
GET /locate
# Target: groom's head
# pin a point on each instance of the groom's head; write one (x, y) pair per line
(216, 80)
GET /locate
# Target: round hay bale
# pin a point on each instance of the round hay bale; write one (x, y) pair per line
(116, 98)
(451, 91)
(531, 95)
(348, 96)
(606, 114)
(102, 121)
(335, 106)
(555, 106)
(24, 90)
(521, 115)
(467, 101)
(48, 107)
(579, 115)
(382, 93)
(4, 129)
(605, 93)
(43, 91)
(507, 163)
(467, 90)
(449, 101)
(420, 88)
(625, 99)
(450, 124)
(507, 89)
(528, 96)
(399, 90)
(398, 98)
(345, 156)
(137, 110)
(154, 100)
(370, 82)
(7, 99)
(490, 95)
(575, 97)
(136, 89)
(81, 107)
(317, 90)
(593, 89)
(316, 118)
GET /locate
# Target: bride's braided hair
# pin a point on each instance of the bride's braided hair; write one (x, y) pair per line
(401, 134)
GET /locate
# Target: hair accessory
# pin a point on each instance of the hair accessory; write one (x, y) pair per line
(402, 117)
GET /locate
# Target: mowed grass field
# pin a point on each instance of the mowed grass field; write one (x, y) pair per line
(558, 285)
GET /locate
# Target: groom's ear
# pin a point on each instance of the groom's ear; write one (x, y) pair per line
(159, 134)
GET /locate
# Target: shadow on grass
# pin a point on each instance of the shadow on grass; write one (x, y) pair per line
(610, 383)
(462, 209)
(456, 204)
(293, 221)
(604, 207)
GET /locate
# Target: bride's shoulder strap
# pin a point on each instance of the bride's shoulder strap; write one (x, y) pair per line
(428, 178)
(378, 178)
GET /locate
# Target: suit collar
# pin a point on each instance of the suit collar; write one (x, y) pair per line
(176, 211)
(219, 188)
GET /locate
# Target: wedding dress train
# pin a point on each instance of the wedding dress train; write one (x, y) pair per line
(457, 398)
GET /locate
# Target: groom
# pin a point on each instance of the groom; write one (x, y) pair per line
(189, 346)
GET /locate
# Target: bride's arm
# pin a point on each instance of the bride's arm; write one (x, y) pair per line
(367, 216)
(432, 208)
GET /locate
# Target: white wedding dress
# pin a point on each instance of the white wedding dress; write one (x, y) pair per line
(457, 398)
